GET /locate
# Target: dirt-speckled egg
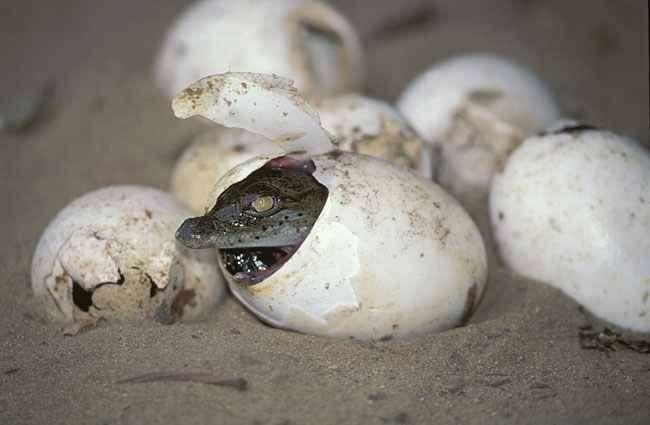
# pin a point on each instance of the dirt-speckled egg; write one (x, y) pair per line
(572, 208)
(329, 242)
(111, 254)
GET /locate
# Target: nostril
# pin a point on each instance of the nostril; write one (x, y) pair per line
(187, 234)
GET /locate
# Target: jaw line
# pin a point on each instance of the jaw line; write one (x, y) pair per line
(256, 277)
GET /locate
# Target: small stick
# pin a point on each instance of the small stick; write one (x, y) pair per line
(239, 384)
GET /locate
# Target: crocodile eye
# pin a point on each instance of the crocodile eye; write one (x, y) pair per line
(263, 204)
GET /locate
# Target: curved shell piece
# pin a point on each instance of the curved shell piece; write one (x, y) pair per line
(111, 254)
(305, 40)
(391, 254)
(572, 208)
(270, 104)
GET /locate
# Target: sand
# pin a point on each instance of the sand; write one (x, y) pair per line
(519, 360)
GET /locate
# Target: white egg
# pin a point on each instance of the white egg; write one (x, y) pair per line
(389, 255)
(475, 109)
(572, 208)
(111, 254)
(305, 40)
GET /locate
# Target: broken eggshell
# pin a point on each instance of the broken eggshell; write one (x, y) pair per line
(372, 127)
(572, 208)
(303, 39)
(389, 253)
(475, 109)
(111, 254)
(356, 123)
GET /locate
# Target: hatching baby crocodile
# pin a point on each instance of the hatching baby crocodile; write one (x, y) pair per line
(259, 222)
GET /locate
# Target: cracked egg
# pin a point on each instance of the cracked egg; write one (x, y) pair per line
(324, 241)
(356, 123)
(111, 254)
(475, 109)
(306, 40)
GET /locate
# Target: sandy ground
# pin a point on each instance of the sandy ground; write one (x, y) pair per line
(518, 361)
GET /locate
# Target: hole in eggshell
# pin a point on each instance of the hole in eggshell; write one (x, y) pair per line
(83, 298)
(80, 297)
(153, 288)
(300, 199)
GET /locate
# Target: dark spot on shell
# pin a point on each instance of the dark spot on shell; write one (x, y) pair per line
(180, 50)
(485, 97)
(501, 215)
(335, 154)
(148, 213)
(239, 148)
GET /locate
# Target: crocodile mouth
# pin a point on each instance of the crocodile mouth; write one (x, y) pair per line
(250, 266)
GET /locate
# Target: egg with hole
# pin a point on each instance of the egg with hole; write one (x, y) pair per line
(328, 242)
(306, 40)
(475, 109)
(111, 254)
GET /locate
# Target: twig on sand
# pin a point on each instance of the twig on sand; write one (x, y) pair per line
(239, 384)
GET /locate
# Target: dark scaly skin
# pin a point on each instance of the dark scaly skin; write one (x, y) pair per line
(233, 223)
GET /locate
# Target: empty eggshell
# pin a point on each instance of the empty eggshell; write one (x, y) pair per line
(572, 208)
(306, 40)
(389, 254)
(111, 254)
(373, 127)
(475, 109)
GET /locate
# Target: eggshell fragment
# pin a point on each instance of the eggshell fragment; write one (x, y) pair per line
(572, 209)
(305, 40)
(391, 254)
(111, 254)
